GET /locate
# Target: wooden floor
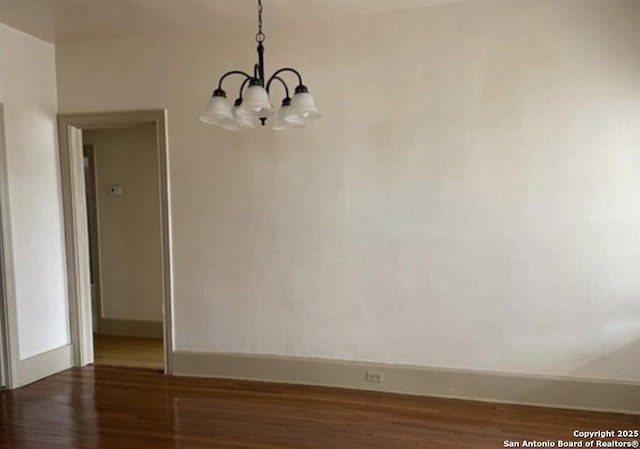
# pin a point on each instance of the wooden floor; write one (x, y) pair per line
(110, 407)
(128, 351)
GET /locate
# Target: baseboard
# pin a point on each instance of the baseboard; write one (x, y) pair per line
(44, 365)
(559, 392)
(130, 328)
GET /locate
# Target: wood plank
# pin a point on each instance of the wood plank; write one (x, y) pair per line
(111, 407)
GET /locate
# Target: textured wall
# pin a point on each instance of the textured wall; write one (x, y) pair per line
(470, 199)
(28, 91)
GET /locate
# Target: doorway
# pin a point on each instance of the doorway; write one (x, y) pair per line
(115, 192)
(123, 210)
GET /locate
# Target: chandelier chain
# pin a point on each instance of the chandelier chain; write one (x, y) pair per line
(260, 36)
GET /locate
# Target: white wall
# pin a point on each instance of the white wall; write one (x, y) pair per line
(470, 199)
(129, 225)
(28, 91)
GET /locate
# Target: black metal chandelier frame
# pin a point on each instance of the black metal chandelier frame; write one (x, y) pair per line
(258, 78)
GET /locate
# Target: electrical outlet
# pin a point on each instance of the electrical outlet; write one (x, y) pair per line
(374, 376)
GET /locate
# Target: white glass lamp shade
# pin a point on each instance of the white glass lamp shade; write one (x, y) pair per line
(281, 123)
(240, 122)
(218, 110)
(303, 107)
(255, 102)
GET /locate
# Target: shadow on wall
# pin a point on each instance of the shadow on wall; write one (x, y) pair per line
(627, 356)
(580, 391)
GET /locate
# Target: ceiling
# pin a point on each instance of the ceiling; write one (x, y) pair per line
(80, 20)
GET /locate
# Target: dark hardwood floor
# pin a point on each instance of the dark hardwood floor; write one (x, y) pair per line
(119, 408)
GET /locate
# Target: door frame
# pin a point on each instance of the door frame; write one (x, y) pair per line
(89, 152)
(9, 357)
(70, 127)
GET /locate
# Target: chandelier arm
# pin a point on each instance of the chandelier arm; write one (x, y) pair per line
(275, 77)
(232, 72)
(242, 86)
(286, 69)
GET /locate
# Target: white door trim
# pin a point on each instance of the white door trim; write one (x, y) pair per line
(8, 305)
(70, 128)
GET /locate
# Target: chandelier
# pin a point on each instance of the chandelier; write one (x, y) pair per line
(253, 104)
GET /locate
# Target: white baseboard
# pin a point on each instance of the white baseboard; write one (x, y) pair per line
(558, 392)
(43, 365)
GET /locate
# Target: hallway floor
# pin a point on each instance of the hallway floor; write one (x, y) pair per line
(133, 352)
